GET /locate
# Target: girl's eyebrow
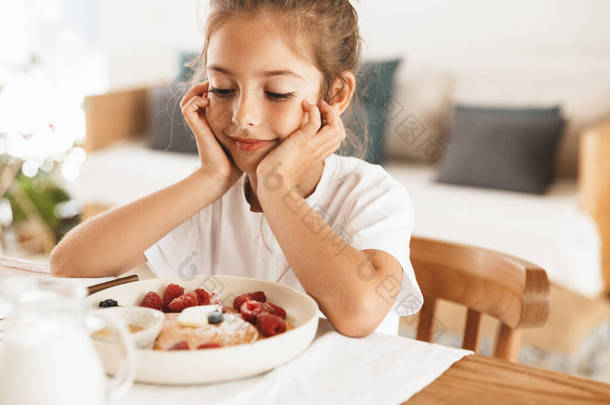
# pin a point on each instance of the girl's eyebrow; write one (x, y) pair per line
(268, 73)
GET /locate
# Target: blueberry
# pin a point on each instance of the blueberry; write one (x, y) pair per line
(108, 303)
(215, 317)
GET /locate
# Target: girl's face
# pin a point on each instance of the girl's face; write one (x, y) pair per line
(256, 88)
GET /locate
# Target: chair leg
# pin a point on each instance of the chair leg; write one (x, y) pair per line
(508, 343)
(425, 325)
(472, 331)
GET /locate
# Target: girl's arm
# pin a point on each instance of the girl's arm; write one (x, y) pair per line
(110, 243)
(344, 281)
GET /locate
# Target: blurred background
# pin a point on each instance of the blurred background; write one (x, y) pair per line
(494, 115)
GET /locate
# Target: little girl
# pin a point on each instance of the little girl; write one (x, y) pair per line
(271, 199)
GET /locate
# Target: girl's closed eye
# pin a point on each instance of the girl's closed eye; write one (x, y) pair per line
(279, 96)
(272, 95)
(220, 92)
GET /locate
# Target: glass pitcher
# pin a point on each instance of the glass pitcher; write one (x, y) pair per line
(46, 352)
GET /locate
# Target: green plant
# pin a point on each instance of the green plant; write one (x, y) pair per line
(43, 195)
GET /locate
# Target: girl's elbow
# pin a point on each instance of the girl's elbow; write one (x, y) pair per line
(57, 265)
(62, 263)
(357, 329)
(358, 324)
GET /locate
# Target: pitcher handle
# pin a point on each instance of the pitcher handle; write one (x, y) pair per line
(124, 376)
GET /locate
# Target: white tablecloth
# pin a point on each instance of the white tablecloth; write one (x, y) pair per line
(334, 369)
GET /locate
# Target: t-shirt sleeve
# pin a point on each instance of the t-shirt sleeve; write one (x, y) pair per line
(383, 218)
(168, 256)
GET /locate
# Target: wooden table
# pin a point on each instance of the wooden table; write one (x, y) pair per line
(472, 380)
(484, 380)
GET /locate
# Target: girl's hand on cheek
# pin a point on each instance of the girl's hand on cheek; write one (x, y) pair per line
(302, 150)
(215, 162)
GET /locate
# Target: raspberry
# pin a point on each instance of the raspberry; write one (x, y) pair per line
(250, 310)
(203, 297)
(181, 345)
(273, 309)
(210, 345)
(240, 300)
(186, 300)
(152, 300)
(270, 325)
(258, 296)
(171, 291)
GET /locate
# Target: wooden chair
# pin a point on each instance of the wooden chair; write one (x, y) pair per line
(515, 292)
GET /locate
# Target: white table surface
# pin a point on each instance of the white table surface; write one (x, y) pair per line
(377, 369)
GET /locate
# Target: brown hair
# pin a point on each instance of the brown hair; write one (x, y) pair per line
(330, 27)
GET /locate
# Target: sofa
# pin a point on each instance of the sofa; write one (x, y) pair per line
(566, 230)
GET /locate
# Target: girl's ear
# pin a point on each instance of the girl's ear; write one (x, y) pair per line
(343, 92)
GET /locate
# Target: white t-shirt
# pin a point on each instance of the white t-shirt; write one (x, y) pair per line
(360, 201)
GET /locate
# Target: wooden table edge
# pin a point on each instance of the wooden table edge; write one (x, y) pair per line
(480, 379)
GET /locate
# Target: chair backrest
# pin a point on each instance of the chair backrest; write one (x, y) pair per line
(515, 292)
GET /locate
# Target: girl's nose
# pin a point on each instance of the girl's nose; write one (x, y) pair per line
(247, 111)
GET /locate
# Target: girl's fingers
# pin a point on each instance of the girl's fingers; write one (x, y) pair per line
(334, 124)
(327, 135)
(197, 90)
(329, 145)
(196, 119)
(329, 150)
(331, 114)
(194, 104)
(315, 119)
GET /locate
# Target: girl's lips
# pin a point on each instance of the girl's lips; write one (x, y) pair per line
(251, 145)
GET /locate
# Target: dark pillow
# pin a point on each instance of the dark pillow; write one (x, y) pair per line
(168, 129)
(375, 82)
(502, 148)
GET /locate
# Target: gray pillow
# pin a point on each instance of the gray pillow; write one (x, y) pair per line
(168, 129)
(502, 148)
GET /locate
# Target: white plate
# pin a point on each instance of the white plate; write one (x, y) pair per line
(218, 364)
